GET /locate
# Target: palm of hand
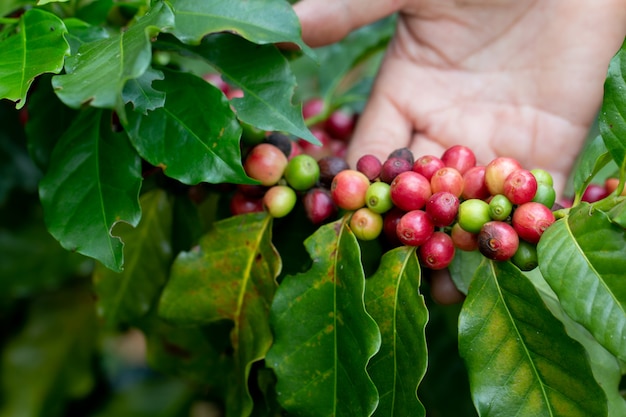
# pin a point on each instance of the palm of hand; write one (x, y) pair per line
(521, 79)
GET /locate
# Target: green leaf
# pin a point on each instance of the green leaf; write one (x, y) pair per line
(612, 119)
(582, 258)
(80, 32)
(49, 362)
(618, 214)
(8, 6)
(264, 76)
(392, 297)
(43, 2)
(140, 93)
(199, 354)
(100, 69)
(183, 139)
(593, 158)
(124, 297)
(260, 21)
(36, 48)
(92, 184)
(230, 275)
(463, 266)
(323, 335)
(519, 358)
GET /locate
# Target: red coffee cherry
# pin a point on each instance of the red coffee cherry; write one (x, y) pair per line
(390, 226)
(340, 124)
(410, 190)
(241, 203)
(531, 219)
(459, 157)
(265, 163)
(392, 167)
(474, 184)
(442, 207)
(463, 239)
(414, 228)
(497, 241)
(369, 165)
(437, 252)
(447, 179)
(520, 186)
(319, 205)
(329, 167)
(594, 192)
(348, 189)
(427, 165)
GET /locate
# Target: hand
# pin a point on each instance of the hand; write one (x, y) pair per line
(504, 77)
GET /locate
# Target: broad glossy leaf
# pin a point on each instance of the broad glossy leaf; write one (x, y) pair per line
(36, 48)
(618, 214)
(126, 296)
(92, 184)
(141, 94)
(519, 358)
(194, 137)
(49, 362)
(97, 73)
(42, 2)
(463, 266)
(611, 118)
(259, 21)
(594, 157)
(229, 276)
(80, 32)
(582, 258)
(606, 367)
(393, 299)
(8, 6)
(264, 76)
(324, 337)
(199, 354)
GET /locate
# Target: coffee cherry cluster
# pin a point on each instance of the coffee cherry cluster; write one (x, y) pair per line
(443, 203)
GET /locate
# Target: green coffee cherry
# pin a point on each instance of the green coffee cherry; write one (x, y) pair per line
(366, 224)
(545, 195)
(378, 197)
(525, 258)
(542, 176)
(500, 207)
(473, 214)
(302, 172)
(279, 200)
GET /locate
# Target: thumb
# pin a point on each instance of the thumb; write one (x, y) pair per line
(327, 21)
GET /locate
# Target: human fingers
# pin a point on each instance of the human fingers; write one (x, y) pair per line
(327, 21)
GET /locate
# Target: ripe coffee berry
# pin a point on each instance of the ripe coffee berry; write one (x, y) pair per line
(390, 226)
(593, 193)
(265, 163)
(340, 124)
(437, 252)
(329, 167)
(302, 172)
(447, 179)
(366, 224)
(474, 184)
(520, 186)
(369, 165)
(404, 153)
(319, 205)
(497, 241)
(414, 228)
(530, 220)
(473, 214)
(378, 197)
(442, 207)
(392, 167)
(241, 203)
(410, 190)
(496, 172)
(279, 200)
(348, 189)
(459, 157)
(281, 141)
(427, 165)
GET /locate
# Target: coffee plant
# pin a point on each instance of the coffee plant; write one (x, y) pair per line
(181, 235)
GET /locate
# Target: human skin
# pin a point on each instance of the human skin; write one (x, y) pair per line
(513, 78)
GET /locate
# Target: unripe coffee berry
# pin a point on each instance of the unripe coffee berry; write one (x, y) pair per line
(378, 197)
(473, 214)
(525, 258)
(497, 241)
(542, 176)
(348, 189)
(500, 207)
(302, 172)
(437, 252)
(366, 224)
(265, 163)
(546, 195)
(410, 191)
(279, 200)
